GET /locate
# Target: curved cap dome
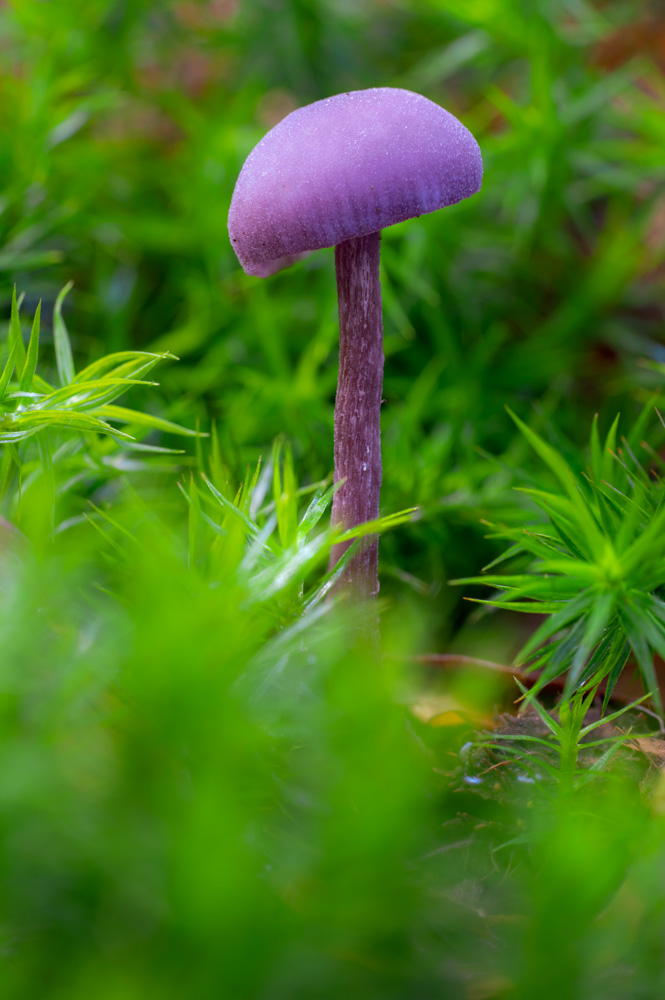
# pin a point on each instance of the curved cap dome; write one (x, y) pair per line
(348, 165)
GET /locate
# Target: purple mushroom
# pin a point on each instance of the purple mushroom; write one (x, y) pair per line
(335, 173)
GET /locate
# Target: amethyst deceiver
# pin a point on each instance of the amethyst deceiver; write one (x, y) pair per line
(335, 173)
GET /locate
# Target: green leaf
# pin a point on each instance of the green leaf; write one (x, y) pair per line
(563, 616)
(125, 361)
(559, 467)
(284, 491)
(549, 455)
(89, 395)
(551, 588)
(41, 385)
(575, 568)
(24, 424)
(649, 542)
(194, 502)
(139, 419)
(636, 627)
(333, 575)
(514, 550)
(562, 515)
(545, 717)
(596, 451)
(610, 718)
(285, 570)
(610, 448)
(529, 607)
(380, 524)
(250, 486)
(114, 522)
(556, 656)
(258, 549)
(601, 613)
(637, 430)
(250, 527)
(614, 662)
(63, 349)
(32, 353)
(10, 459)
(316, 509)
(8, 370)
(15, 334)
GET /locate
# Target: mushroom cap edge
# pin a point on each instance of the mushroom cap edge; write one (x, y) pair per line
(345, 166)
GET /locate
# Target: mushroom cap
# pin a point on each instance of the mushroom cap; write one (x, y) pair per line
(346, 166)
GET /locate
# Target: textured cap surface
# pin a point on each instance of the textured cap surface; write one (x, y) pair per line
(350, 164)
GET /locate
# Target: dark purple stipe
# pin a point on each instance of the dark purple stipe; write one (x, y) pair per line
(335, 173)
(358, 406)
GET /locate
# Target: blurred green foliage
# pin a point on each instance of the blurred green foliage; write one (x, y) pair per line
(207, 786)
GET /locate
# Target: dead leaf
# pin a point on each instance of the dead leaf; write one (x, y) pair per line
(651, 747)
(489, 988)
(444, 710)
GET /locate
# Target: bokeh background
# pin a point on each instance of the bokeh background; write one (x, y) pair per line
(193, 803)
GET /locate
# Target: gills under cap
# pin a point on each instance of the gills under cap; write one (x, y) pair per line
(346, 166)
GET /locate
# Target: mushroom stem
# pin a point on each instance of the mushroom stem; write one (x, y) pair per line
(358, 405)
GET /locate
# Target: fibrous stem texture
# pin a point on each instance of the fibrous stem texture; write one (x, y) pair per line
(358, 405)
